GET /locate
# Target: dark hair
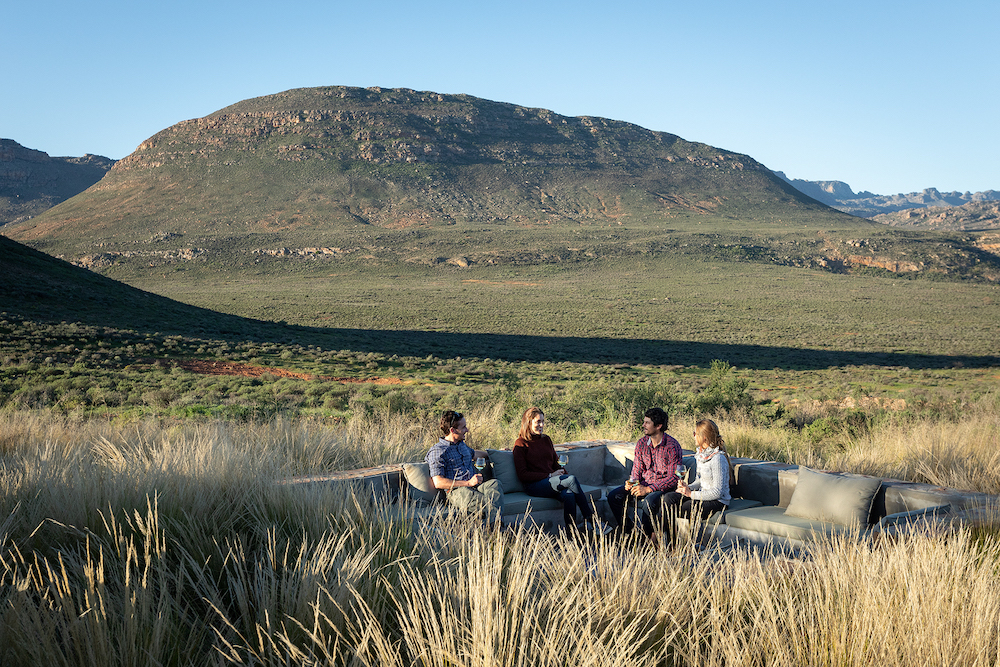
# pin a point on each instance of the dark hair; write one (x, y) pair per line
(658, 417)
(448, 421)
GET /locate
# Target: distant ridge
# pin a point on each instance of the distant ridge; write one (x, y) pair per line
(840, 196)
(31, 181)
(975, 216)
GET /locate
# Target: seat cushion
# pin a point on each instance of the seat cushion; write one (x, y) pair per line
(518, 502)
(735, 505)
(772, 520)
(836, 499)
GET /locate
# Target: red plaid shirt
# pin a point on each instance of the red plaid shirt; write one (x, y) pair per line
(656, 467)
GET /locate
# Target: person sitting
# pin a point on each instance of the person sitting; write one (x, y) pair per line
(657, 455)
(709, 493)
(450, 463)
(538, 468)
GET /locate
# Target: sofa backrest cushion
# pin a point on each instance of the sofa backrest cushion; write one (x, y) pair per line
(419, 486)
(823, 497)
(787, 479)
(587, 464)
(759, 480)
(503, 469)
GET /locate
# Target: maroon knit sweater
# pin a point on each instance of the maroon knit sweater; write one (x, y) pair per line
(534, 459)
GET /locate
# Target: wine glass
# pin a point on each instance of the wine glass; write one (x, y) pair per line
(681, 471)
(480, 463)
(563, 460)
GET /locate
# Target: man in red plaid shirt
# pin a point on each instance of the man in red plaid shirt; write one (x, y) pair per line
(657, 455)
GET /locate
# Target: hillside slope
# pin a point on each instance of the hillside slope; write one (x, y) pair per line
(38, 287)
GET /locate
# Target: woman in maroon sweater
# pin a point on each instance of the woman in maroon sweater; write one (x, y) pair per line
(538, 469)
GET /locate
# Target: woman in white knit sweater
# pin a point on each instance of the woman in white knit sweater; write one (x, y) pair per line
(709, 493)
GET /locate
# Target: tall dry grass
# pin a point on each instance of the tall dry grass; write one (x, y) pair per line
(962, 454)
(169, 544)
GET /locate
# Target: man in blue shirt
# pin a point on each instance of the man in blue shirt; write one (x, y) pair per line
(450, 463)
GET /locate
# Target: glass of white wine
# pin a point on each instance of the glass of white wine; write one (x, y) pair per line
(480, 464)
(681, 471)
(563, 460)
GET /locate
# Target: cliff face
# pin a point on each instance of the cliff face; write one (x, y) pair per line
(32, 182)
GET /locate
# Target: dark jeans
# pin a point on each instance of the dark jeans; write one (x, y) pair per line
(649, 507)
(685, 506)
(567, 488)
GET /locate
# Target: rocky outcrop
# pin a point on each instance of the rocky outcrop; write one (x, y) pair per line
(970, 217)
(103, 260)
(31, 181)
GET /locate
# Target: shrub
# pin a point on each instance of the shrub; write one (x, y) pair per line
(726, 392)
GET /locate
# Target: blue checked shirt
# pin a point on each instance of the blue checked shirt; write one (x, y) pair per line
(451, 460)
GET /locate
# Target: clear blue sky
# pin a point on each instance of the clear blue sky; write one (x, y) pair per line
(887, 96)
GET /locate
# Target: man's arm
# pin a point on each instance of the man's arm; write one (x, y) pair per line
(638, 460)
(446, 484)
(673, 457)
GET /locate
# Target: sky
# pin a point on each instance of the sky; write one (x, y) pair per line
(887, 96)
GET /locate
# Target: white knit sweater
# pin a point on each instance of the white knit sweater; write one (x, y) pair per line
(712, 479)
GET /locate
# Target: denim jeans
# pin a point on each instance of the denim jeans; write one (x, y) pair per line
(649, 507)
(685, 506)
(567, 488)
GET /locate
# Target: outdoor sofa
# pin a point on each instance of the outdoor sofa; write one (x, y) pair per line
(774, 504)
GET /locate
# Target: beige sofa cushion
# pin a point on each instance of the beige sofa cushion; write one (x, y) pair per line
(419, 486)
(820, 496)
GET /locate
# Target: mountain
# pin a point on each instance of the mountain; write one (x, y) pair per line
(840, 196)
(368, 177)
(311, 166)
(32, 182)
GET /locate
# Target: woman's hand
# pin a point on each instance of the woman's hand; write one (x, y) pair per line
(557, 473)
(683, 489)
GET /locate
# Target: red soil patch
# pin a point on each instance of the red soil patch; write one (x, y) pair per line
(246, 370)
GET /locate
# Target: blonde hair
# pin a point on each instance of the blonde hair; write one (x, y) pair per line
(709, 432)
(526, 419)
